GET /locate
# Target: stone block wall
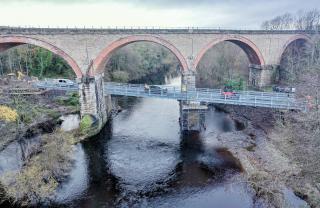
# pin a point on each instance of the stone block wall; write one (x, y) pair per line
(261, 76)
(92, 99)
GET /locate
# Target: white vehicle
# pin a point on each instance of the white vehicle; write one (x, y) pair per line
(64, 82)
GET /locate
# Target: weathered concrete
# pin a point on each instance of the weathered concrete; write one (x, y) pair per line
(192, 114)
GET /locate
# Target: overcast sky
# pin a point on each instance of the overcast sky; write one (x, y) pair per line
(238, 14)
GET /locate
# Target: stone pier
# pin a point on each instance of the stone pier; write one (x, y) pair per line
(93, 101)
(192, 114)
(261, 76)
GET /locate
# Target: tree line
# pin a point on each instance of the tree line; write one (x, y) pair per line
(137, 62)
(223, 64)
(142, 62)
(34, 61)
(302, 20)
(300, 56)
(299, 132)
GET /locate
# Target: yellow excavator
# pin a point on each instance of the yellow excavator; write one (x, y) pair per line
(21, 75)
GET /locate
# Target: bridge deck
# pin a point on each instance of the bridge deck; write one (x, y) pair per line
(245, 98)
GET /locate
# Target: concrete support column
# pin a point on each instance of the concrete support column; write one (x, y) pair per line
(192, 114)
(262, 76)
(92, 99)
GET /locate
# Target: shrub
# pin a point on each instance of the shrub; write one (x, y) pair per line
(85, 124)
(72, 100)
(120, 76)
(236, 84)
(8, 114)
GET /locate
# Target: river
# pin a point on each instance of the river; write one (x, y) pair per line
(140, 159)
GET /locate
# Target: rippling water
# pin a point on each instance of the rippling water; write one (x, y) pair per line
(141, 160)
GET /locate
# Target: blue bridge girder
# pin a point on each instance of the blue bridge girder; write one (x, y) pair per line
(274, 100)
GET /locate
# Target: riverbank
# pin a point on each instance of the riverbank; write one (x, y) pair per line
(46, 157)
(267, 155)
(35, 113)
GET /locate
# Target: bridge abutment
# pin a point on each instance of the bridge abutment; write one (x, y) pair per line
(262, 76)
(192, 114)
(93, 101)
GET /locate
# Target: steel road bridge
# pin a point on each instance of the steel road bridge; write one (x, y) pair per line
(202, 95)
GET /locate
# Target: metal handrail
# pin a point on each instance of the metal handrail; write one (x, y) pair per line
(247, 98)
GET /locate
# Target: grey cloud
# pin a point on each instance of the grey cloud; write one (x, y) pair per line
(235, 13)
(240, 4)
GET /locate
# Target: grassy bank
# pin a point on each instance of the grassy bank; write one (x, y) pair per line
(40, 176)
(42, 171)
(297, 135)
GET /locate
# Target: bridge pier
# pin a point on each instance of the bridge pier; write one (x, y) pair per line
(93, 101)
(192, 114)
(261, 76)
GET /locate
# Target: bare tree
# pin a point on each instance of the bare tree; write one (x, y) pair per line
(281, 22)
(302, 20)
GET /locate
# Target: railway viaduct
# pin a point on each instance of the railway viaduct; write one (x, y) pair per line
(88, 50)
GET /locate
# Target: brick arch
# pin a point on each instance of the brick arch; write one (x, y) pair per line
(7, 42)
(103, 57)
(291, 40)
(252, 51)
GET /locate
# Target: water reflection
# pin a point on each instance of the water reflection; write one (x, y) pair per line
(13, 156)
(72, 189)
(222, 196)
(141, 160)
(70, 122)
(292, 200)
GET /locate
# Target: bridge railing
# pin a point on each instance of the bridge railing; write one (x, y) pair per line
(56, 86)
(202, 91)
(248, 98)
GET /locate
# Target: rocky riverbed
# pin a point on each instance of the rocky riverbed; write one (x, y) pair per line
(269, 170)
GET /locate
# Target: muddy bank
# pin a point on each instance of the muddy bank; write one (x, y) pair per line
(36, 113)
(32, 168)
(11, 132)
(271, 172)
(35, 154)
